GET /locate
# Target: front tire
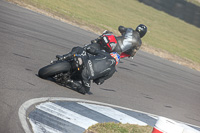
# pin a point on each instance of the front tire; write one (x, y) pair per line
(53, 69)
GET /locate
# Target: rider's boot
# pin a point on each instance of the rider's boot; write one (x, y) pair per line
(76, 85)
(81, 90)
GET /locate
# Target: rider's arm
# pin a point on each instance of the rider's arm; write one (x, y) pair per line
(122, 29)
(93, 51)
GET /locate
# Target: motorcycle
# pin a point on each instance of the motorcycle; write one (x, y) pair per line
(65, 70)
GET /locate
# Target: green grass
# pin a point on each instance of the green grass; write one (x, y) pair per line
(164, 31)
(118, 128)
(194, 2)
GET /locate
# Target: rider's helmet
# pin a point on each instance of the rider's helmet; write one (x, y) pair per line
(142, 30)
(116, 56)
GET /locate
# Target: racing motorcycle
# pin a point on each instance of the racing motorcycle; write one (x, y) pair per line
(64, 70)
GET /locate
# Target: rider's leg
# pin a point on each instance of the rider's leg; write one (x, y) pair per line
(96, 46)
(86, 82)
(77, 86)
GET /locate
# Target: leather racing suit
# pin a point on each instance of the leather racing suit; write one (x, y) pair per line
(97, 66)
(129, 41)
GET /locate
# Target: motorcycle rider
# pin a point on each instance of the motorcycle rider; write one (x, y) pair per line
(100, 65)
(126, 45)
(97, 66)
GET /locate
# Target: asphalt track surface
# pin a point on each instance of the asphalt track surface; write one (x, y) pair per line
(29, 41)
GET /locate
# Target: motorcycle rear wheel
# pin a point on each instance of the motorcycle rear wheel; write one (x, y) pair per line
(53, 69)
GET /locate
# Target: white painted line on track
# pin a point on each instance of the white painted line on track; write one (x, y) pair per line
(41, 128)
(114, 114)
(22, 112)
(66, 115)
(25, 106)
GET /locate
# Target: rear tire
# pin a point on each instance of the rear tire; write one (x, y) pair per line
(53, 69)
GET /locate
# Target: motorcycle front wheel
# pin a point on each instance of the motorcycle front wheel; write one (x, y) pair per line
(53, 69)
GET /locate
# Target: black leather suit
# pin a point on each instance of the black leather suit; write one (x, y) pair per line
(97, 66)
